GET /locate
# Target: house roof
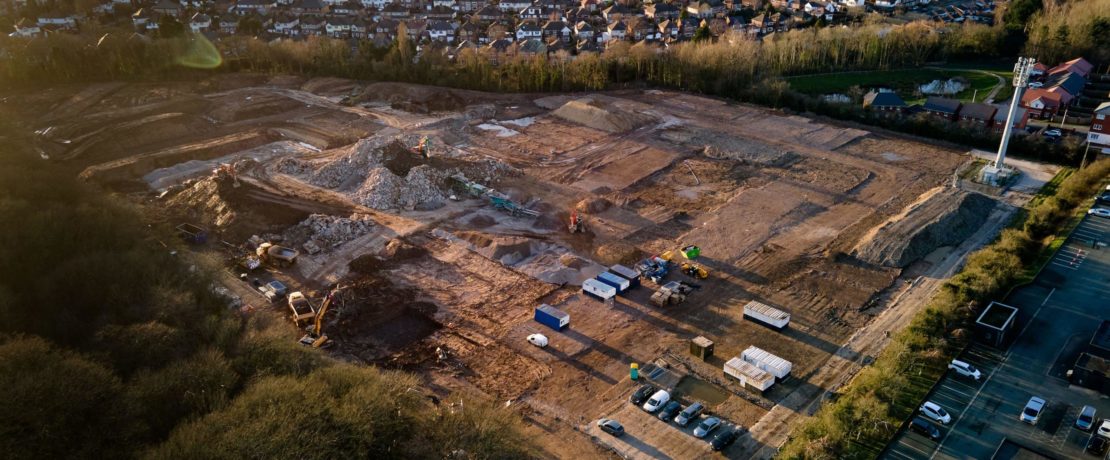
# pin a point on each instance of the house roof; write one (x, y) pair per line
(942, 104)
(532, 45)
(528, 27)
(978, 111)
(1002, 111)
(501, 44)
(1049, 98)
(440, 26)
(882, 99)
(1103, 108)
(1078, 66)
(1068, 81)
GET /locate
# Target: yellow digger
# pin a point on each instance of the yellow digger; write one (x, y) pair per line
(694, 271)
(315, 337)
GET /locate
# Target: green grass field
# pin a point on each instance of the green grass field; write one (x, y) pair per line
(903, 81)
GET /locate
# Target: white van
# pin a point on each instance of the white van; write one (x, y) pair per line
(657, 400)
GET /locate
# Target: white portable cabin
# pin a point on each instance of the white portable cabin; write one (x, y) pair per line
(748, 374)
(759, 357)
(766, 314)
(595, 288)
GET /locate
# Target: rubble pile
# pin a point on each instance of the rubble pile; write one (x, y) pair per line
(203, 198)
(321, 231)
(384, 190)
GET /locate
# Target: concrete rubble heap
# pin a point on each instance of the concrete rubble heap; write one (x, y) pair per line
(384, 190)
(324, 231)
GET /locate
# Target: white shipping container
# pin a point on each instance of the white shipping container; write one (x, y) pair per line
(598, 289)
(778, 367)
(749, 375)
(766, 314)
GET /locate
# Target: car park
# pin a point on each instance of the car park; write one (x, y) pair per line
(691, 412)
(933, 411)
(706, 426)
(610, 426)
(1086, 418)
(538, 340)
(1097, 445)
(657, 401)
(920, 425)
(668, 411)
(641, 394)
(964, 369)
(1100, 212)
(724, 438)
(1032, 411)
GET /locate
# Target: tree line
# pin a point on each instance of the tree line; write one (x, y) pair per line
(112, 347)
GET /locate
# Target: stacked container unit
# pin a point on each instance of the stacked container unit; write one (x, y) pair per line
(617, 282)
(778, 367)
(629, 274)
(552, 317)
(749, 375)
(766, 314)
(598, 290)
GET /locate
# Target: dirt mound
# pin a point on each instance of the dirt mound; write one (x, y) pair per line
(417, 98)
(384, 190)
(618, 252)
(593, 205)
(330, 86)
(481, 221)
(941, 217)
(600, 115)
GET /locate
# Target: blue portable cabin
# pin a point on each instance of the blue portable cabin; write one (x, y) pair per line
(617, 282)
(552, 317)
(629, 274)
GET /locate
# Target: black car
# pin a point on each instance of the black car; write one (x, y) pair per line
(1097, 445)
(669, 410)
(1104, 198)
(690, 413)
(725, 438)
(642, 394)
(925, 427)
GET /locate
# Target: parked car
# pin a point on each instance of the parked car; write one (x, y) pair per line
(1100, 212)
(639, 396)
(1053, 133)
(668, 411)
(1032, 411)
(724, 438)
(1104, 198)
(1097, 445)
(538, 340)
(611, 426)
(965, 369)
(933, 411)
(706, 426)
(925, 427)
(1104, 429)
(1036, 84)
(657, 401)
(691, 412)
(1086, 418)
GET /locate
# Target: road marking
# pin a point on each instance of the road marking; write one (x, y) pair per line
(1047, 296)
(903, 442)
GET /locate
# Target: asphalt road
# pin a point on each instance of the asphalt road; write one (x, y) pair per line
(1058, 315)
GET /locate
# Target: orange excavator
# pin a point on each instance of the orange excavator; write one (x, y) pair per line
(315, 337)
(576, 224)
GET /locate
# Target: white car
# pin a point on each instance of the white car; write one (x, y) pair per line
(1104, 429)
(1036, 84)
(1101, 212)
(965, 369)
(1053, 133)
(538, 340)
(1032, 411)
(934, 411)
(657, 400)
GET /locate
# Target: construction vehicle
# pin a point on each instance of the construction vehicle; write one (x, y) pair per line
(279, 256)
(192, 233)
(672, 293)
(315, 337)
(694, 271)
(654, 269)
(497, 199)
(302, 310)
(576, 224)
(423, 147)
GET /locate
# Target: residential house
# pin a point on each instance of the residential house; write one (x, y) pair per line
(534, 12)
(590, 5)
(705, 9)
(167, 7)
(885, 101)
(687, 28)
(531, 47)
(387, 28)
(556, 29)
(1041, 102)
(942, 107)
(498, 48)
(415, 28)
(661, 11)
(229, 24)
(59, 21)
(286, 24)
(617, 30)
(376, 4)
(668, 28)
(489, 13)
(338, 26)
(1021, 117)
(145, 18)
(346, 8)
(467, 6)
(616, 12)
(1099, 134)
(441, 31)
(469, 32)
(450, 4)
(1078, 66)
(395, 11)
(360, 28)
(200, 22)
(978, 113)
(1068, 84)
(512, 6)
(441, 13)
(260, 7)
(584, 31)
(642, 29)
(311, 25)
(309, 7)
(528, 30)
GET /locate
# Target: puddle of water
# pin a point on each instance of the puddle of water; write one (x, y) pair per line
(698, 389)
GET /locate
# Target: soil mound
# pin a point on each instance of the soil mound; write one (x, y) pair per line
(941, 217)
(602, 116)
(384, 190)
(205, 200)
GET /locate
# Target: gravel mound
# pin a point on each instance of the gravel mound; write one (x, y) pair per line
(383, 190)
(941, 217)
(602, 116)
(323, 231)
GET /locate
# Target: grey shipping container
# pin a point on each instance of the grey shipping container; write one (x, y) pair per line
(618, 283)
(629, 274)
(552, 317)
(598, 290)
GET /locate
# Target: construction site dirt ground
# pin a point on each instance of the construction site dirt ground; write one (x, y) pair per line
(777, 203)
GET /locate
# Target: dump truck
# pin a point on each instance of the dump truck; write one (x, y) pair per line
(279, 256)
(302, 310)
(672, 293)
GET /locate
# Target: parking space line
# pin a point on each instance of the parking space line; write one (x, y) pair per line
(912, 447)
(1053, 291)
